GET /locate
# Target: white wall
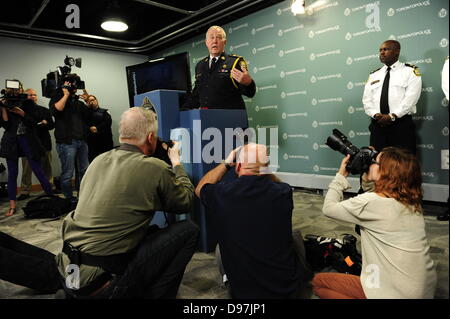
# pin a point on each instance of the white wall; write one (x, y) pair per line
(102, 71)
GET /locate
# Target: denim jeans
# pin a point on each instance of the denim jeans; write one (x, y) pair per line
(157, 267)
(68, 154)
(13, 169)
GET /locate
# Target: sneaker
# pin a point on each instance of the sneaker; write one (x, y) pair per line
(23, 196)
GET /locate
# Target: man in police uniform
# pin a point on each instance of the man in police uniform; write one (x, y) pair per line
(220, 78)
(390, 97)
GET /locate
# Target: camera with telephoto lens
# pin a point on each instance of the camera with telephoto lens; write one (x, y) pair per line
(360, 159)
(55, 80)
(11, 95)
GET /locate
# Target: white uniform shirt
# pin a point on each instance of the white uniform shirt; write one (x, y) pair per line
(405, 86)
(445, 78)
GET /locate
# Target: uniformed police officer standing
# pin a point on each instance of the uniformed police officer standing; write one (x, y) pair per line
(390, 97)
(220, 78)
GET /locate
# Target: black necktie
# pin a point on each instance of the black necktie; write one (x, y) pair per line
(384, 100)
(213, 64)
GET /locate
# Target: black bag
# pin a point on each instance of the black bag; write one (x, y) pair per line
(47, 206)
(339, 254)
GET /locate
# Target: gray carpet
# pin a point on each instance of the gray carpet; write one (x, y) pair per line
(202, 279)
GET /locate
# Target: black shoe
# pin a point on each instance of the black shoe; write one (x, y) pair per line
(443, 217)
(23, 196)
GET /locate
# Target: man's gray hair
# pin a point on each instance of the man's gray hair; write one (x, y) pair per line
(136, 124)
(219, 29)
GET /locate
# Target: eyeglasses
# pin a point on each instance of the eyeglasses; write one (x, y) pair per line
(32, 94)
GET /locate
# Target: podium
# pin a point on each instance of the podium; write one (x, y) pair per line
(206, 137)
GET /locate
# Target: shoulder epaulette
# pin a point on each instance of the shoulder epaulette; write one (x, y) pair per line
(375, 70)
(446, 58)
(411, 65)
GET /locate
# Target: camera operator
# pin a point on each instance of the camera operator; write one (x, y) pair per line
(19, 119)
(44, 126)
(396, 260)
(71, 130)
(100, 137)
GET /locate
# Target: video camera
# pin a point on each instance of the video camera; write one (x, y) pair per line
(55, 80)
(360, 159)
(11, 94)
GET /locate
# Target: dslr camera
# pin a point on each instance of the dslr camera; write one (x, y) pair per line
(55, 80)
(360, 159)
(11, 95)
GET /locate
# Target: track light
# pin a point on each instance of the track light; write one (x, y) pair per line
(298, 7)
(114, 25)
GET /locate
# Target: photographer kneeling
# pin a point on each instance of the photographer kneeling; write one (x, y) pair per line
(19, 118)
(396, 261)
(109, 249)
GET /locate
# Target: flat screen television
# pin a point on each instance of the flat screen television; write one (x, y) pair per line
(169, 73)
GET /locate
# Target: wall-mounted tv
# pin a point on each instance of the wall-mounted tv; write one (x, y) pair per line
(169, 73)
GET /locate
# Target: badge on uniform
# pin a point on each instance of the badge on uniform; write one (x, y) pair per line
(417, 72)
(243, 65)
(373, 82)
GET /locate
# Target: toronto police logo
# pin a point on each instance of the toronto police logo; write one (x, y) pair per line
(315, 146)
(253, 31)
(315, 124)
(348, 36)
(351, 110)
(349, 61)
(230, 30)
(285, 136)
(282, 74)
(445, 131)
(314, 102)
(255, 69)
(442, 13)
(286, 157)
(283, 116)
(281, 53)
(279, 12)
(257, 108)
(351, 134)
(350, 85)
(311, 34)
(391, 12)
(313, 79)
(347, 12)
(443, 43)
(254, 51)
(312, 57)
(392, 37)
(148, 105)
(316, 168)
(444, 102)
(283, 95)
(280, 33)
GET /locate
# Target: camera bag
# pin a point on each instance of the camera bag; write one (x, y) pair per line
(340, 255)
(47, 206)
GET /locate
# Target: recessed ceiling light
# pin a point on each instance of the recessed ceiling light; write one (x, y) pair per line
(114, 26)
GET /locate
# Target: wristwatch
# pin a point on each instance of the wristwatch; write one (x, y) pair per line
(393, 117)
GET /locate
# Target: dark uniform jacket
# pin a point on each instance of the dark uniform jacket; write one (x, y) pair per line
(9, 147)
(216, 89)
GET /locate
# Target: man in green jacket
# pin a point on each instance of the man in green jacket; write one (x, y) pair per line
(109, 249)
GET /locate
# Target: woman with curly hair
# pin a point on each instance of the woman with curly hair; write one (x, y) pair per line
(396, 262)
